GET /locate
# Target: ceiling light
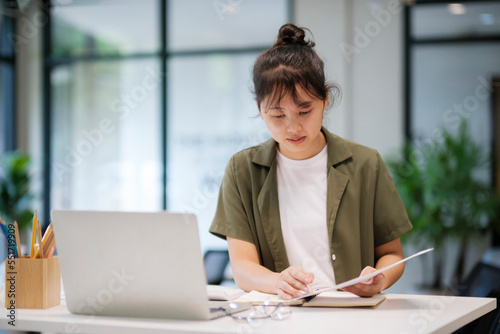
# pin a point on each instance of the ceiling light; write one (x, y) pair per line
(456, 8)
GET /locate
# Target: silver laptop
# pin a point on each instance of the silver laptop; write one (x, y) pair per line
(132, 264)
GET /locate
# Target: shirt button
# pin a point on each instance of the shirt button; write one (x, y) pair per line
(334, 257)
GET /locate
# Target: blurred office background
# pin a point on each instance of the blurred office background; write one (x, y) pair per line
(138, 105)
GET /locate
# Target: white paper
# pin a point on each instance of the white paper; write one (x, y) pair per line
(221, 292)
(363, 278)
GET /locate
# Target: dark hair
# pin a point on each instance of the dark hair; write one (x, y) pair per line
(289, 62)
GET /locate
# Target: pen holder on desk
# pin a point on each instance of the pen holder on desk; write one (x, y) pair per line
(32, 283)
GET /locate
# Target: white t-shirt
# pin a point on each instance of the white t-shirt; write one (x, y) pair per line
(302, 191)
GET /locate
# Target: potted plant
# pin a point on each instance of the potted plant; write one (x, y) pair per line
(15, 197)
(444, 196)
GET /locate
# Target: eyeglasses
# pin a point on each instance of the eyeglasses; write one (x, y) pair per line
(265, 311)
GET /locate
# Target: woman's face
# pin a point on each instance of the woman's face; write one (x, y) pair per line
(296, 127)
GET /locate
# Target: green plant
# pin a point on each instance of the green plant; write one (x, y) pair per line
(15, 197)
(444, 195)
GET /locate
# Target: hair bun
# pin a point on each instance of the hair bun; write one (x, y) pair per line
(291, 34)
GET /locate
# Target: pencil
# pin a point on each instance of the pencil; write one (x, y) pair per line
(37, 251)
(50, 242)
(33, 237)
(48, 230)
(51, 252)
(40, 244)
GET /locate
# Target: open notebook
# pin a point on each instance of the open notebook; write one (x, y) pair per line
(324, 299)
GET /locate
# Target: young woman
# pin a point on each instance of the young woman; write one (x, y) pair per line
(306, 209)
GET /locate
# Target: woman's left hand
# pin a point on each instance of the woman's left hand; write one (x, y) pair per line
(369, 287)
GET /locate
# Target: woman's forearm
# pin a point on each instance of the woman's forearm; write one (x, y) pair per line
(388, 254)
(252, 276)
(393, 274)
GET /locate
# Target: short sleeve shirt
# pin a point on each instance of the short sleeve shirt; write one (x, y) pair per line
(364, 209)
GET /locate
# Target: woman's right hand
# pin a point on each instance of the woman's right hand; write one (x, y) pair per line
(294, 282)
(250, 275)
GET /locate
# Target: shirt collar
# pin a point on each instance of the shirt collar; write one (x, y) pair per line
(338, 150)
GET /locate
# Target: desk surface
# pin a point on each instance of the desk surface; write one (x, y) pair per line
(400, 314)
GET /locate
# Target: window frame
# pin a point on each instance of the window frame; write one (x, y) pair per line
(9, 86)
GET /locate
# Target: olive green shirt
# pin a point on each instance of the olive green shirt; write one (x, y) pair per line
(364, 209)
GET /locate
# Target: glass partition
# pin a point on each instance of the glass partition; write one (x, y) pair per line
(219, 24)
(106, 152)
(212, 115)
(85, 28)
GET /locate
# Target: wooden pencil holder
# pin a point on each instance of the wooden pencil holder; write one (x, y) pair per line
(32, 283)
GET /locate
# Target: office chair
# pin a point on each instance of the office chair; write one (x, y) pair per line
(216, 262)
(483, 281)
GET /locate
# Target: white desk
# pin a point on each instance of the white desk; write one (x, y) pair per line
(399, 314)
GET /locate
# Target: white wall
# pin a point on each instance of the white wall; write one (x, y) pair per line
(327, 22)
(361, 43)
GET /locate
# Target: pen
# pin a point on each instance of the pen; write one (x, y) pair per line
(10, 238)
(18, 239)
(4, 229)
